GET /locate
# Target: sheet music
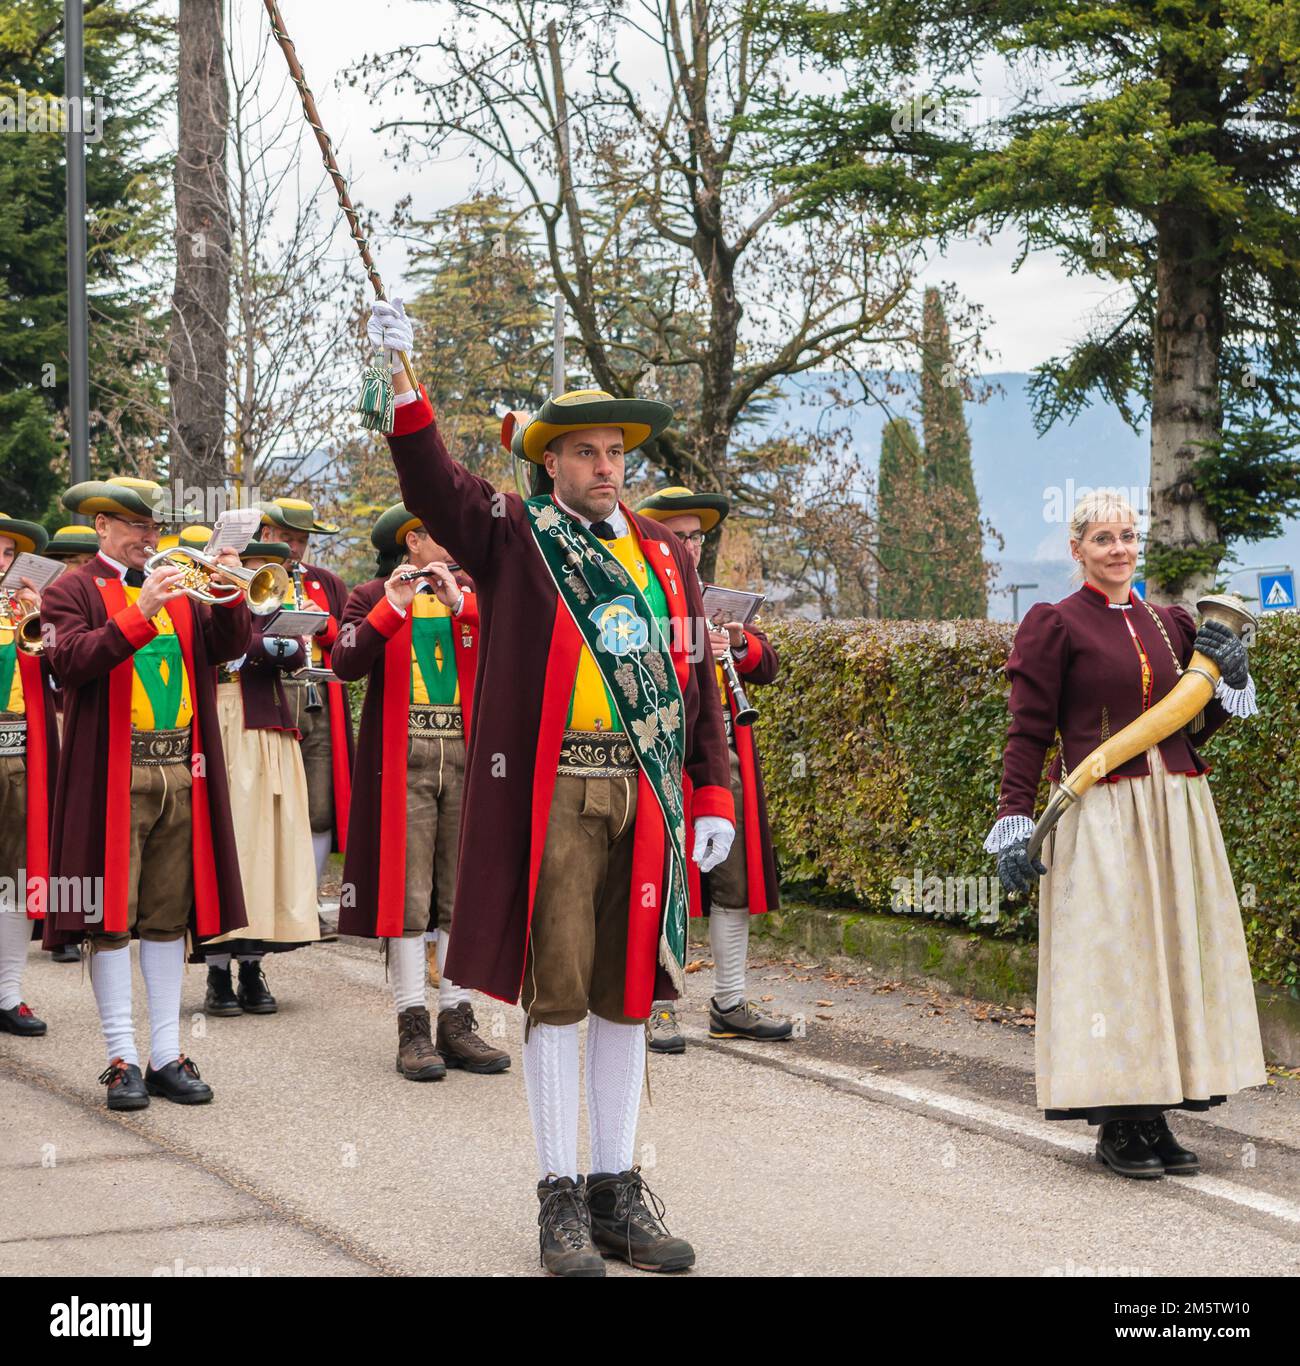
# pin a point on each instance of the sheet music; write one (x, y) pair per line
(722, 605)
(234, 529)
(40, 570)
(290, 622)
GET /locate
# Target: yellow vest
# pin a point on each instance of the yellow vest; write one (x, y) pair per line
(142, 713)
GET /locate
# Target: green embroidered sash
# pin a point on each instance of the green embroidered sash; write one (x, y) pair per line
(629, 644)
(8, 663)
(427, 634)
(164, 693)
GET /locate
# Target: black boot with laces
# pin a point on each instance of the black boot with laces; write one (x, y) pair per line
(254, 996)
(624, 1225)
(1122, 1147)
(1176, 1160)
(564, 1229)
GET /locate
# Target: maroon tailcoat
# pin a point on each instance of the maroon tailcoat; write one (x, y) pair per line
(85, 647)
(488, 532)
(266, 703)
(1075, 671)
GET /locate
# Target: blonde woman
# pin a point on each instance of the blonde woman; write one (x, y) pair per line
(1145, 1001)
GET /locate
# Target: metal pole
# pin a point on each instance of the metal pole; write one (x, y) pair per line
(557, 354)
(78, 344)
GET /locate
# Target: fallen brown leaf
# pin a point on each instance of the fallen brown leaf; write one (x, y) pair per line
(825, 1003)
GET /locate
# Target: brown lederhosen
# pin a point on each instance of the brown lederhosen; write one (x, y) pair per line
(435, 779)
(577, 947)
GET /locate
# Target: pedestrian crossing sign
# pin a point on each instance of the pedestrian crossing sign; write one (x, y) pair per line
(1277, 591)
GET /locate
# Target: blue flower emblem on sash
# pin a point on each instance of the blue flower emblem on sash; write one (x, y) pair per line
(622, 631)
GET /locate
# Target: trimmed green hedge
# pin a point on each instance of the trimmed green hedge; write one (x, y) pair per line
(882, 751)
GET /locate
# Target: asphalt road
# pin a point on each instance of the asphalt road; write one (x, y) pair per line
(898, 1136)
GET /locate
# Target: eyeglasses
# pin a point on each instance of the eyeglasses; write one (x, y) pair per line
(694, 537)
(1105, 539)
(140, 528)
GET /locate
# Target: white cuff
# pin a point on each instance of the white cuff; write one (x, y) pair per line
(400, 400)
(231, 665)
(1237, 701)
(460, 606)
(401, 611)
(1006, 832)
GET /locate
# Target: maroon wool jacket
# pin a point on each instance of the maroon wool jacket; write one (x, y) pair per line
(488, 533)
(266, 705)
(86, 647)
(1074, 668)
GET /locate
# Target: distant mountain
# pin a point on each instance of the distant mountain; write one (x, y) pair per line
(1027, 483)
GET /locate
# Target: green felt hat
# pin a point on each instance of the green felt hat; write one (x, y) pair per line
(72, 540)
(28, 536)
(391, 528)
(266, 550)
(123, 495)
(677, 500)
(639, 418)
(294, 514)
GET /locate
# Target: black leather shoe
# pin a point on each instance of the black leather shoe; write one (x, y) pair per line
(20, 1020)
(178, 1081)
(564, 1229)
(221, 998)
(253, 994)
(126, 1089)
(66, 953)
(1176, 1160)
(1123, 1149)
(623, 1225)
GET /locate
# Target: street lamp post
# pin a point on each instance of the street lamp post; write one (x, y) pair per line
(1014, 590)
(78, 344)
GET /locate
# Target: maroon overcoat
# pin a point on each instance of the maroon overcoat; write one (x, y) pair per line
(266, 703)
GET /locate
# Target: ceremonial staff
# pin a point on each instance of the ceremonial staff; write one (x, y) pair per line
(376, 402)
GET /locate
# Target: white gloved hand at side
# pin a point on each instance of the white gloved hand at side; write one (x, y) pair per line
(713, 837)
(390, 328)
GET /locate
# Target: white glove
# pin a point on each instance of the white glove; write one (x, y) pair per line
(713, 837)
(390, 328)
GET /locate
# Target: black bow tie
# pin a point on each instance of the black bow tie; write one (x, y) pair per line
(134, 578)
(603, 530)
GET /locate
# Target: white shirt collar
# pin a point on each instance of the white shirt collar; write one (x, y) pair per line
(615, 518)
(109, 560)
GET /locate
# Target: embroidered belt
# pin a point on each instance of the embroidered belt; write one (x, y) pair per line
(596, 754)
(13, 737)
(154, 748)
(435, 720)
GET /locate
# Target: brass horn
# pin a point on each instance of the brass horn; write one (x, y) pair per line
(264, 588)
(26, 625)
(1178, 706)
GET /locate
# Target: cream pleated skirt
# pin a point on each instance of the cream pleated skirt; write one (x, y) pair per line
(268, 806)
(1144, 987)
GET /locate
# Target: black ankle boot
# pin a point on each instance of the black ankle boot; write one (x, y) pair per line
(221, 998)
(624, 1225)
(1176, 1160)
(253, 994)
(1124, 1150)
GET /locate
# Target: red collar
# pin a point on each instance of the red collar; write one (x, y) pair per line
(1101, 599)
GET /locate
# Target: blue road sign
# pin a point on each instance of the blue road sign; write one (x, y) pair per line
(1140, 587)
(1277, 591)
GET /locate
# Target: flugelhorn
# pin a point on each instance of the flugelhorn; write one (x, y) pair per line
(264, 588)
(746, 714)
(1174, 710)
(25, 624)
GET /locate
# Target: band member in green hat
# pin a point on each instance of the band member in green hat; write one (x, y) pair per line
(268, 790)
(326, 732)
(415, 641)
(29, 750)
(595, 715)
(745, 883)
(141, 808)
(74, 545)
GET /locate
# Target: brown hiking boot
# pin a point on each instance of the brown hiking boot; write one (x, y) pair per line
(417, 1058)
(462, 1047)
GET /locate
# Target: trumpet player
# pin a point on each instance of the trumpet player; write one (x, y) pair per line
(745, 883)
(414, 637)
(327, 749)
(1145, 999)
(141, 809)
(29, 750)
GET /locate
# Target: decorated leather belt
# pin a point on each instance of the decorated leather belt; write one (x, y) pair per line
(13, 736)
(153, 748)
(596, 754)
(436, 721)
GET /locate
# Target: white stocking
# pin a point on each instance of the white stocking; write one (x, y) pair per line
(729, 941)
(162, 964)
(110, 975)
(615, 1068)
(15, 935)
(449, 994)
(221, 961)
(551, 1076)
(320, 846)
(406, 973)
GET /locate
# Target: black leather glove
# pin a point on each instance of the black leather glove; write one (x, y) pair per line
(1215, 641)
(1016, 870)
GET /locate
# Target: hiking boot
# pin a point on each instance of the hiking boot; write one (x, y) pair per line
(221, 998)
(623, 1225)
(746, 1021)
(178, 1081)
(253, 995)
(665, 1033)
(126, 1089)
(417, 1058)
(461, 1046)
(20, 1020)
(1122, 1147)
(564, 1229)
(1176, 1160)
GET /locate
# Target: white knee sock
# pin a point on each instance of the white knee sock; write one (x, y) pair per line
(249, 957)
(615, 1068)
(729, 941)
(449, 994)
(320, 846)
(218, 960)
(551, 1076)
(406, 973)
(162, 965)
(431, 936)
(15, 936)
(110, 975)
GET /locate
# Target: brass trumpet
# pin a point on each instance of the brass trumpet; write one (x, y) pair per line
(265, 588)
(26, 625)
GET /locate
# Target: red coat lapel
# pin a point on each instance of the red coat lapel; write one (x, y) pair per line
(391, 893)
(117, 817)
(338, 723)
(38, 784)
